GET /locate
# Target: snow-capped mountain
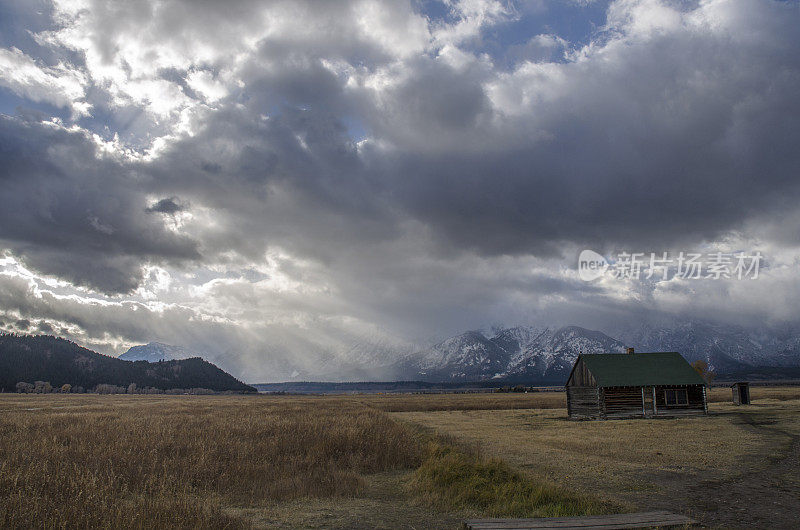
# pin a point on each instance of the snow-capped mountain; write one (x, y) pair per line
(512, 353)
(725, 348)
(546, 354)
(467, 356)
(553, 352)
(526, 354)
(157, 351)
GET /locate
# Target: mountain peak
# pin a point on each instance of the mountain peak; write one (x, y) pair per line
(520, 352)
(157, 351)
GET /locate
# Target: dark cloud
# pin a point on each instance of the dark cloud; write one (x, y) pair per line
(659, 140)
(665, 139)
(353, 167)
(168, 206)
(73, 212)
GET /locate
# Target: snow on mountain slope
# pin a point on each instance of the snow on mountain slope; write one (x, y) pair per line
(512, 353)
(465, 356)
(530, 353)
(522, 353)
(157, 351)
(552, 355)
(725, 348)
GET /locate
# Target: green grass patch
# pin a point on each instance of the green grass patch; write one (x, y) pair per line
(452, 478)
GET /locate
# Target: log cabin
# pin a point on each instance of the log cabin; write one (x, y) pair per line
(634, 385)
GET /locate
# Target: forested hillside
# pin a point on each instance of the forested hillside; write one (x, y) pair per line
(26, 358)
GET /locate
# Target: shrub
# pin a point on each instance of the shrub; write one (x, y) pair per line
(453, 478)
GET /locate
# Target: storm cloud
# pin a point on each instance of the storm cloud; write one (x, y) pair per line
(276, 181)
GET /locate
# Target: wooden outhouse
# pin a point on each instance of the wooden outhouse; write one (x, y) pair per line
(634, 385)
(741, 393)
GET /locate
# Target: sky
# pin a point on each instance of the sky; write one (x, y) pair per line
(283, 185)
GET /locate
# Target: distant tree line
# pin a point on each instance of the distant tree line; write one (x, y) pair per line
(58, 363)
(44, 387)
(516, 388)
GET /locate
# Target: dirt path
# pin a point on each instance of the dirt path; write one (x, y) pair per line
(766, 497)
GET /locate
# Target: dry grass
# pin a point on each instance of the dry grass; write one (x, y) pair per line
(138, 461)
(626, 461)
(611, 457)
(737, 467)
(78, 461)
(531, 400)
(451, 477)
(87, 461)
(475, 401)
(514, 401)
(778, 393)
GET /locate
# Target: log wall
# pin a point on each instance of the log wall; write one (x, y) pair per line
(619, 402)
(583, 402)
(588, 402)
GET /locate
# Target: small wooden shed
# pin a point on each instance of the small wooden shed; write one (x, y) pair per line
(634, 385)
(741, 393)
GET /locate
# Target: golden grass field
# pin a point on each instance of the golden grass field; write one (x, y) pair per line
(376, 461)
(737, 467)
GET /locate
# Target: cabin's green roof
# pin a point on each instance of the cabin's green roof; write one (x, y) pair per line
(641, 369)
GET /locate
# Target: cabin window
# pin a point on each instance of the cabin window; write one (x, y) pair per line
(676, 397)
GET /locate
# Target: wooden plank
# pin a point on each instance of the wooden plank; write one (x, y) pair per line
(550, 522)
(582, 402)
(630, 515)
(644, 412)
(655, 405)
(705, 401)
(621, 526)
(537, 523)
(597, 522)
(631, 526)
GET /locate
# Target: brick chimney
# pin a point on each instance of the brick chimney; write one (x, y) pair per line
(629, 350)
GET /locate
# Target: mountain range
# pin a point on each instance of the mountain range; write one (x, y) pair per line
(520, 354)
(517, 353)
(538, 354)
(546, 354)
(726, 348)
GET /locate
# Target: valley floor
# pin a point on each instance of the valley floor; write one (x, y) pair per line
(737, 468)
(385, 461)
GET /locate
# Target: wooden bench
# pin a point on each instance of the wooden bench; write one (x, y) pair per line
(599, 522)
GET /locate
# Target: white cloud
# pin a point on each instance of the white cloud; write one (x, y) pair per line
(59, 85)
(204, 82)
(470, 181)
(473, 16)
(643, 18)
